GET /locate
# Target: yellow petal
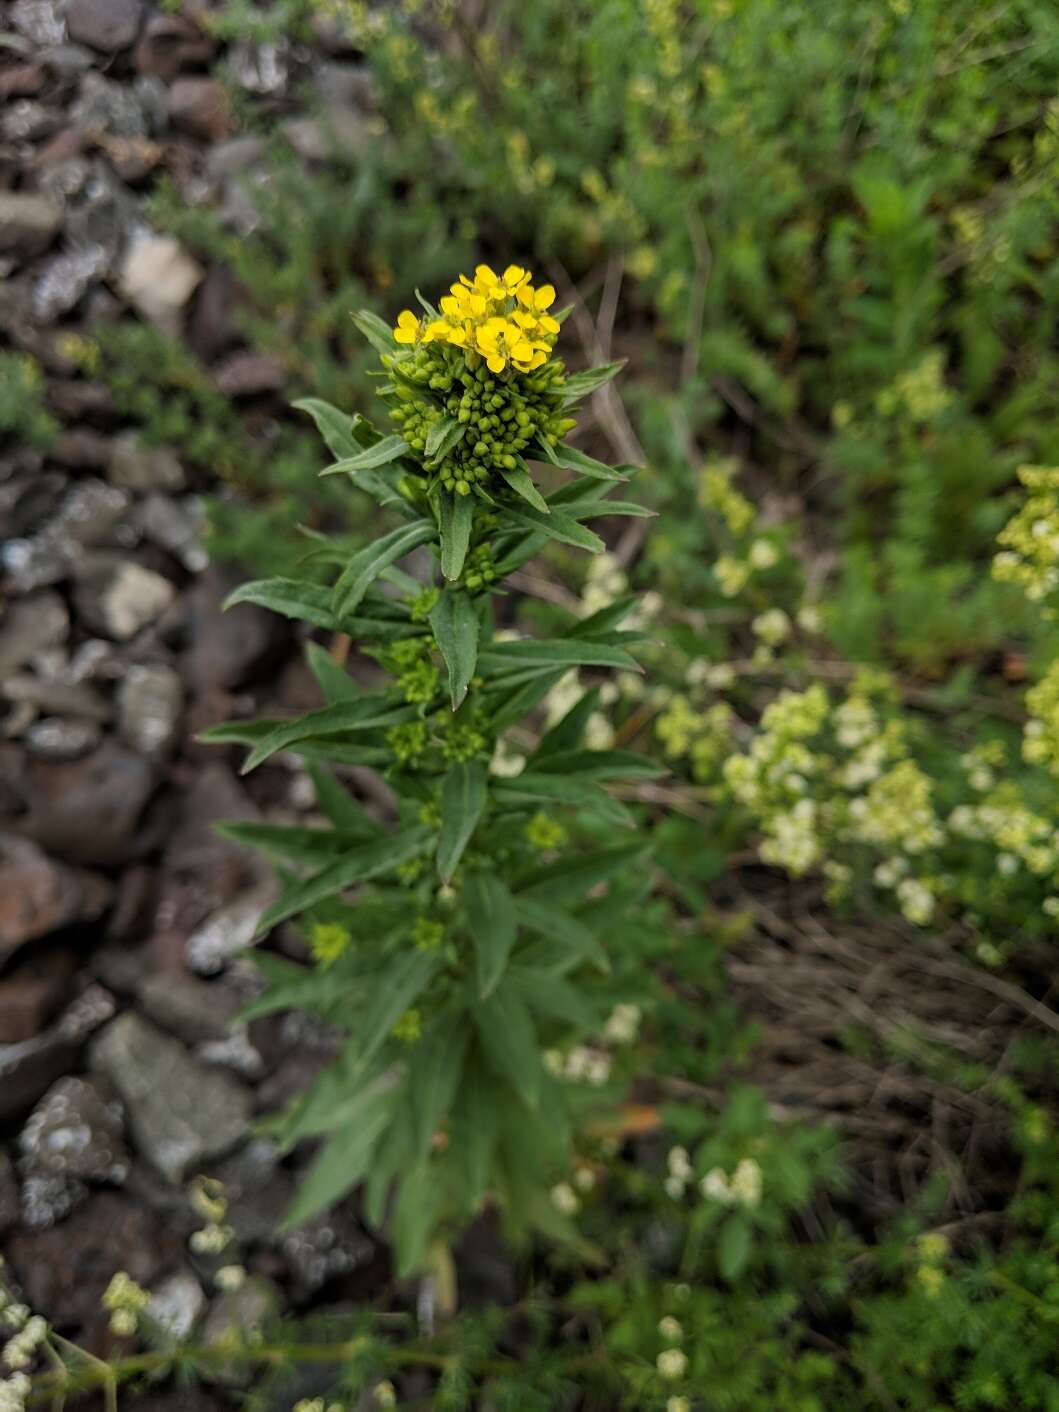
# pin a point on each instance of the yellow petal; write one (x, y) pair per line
(404, 335)
(524, 295)
(496, 363)
(514, 275)
(450, 306)
(548, 324)
(544, 297)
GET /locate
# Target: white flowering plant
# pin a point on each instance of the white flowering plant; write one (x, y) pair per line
(454, 940)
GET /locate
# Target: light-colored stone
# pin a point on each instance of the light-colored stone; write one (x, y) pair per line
(158, 277)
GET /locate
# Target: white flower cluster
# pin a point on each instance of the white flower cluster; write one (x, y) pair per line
(581, 1065)
(743, 1188)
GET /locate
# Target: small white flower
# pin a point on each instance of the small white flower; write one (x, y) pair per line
(672, 1363)
(714, 1186)
(674, 1187)
(622, 1024)
(678, 1404)
(385, 1394)
(565, 1199)
(763, 554)
(679, 1163)
(670, 1329)
(772, 627)
(745, 1185)
(230, 1277)
(554, 1062)
(584, 1179)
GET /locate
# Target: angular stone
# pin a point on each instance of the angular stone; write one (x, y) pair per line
(170, 43)
(28, 222)
(150, 699)
(229, 649)
(56, 739)
(248, 374)
(62, 285)
(199, 107)
(31, 625)
(32, 991)
(47, 1199)
(193, 1010)
(87, 811)
(181, 1113)
(229, 931)
(134, 466)
(176, 1305)
(118, 599)
(74, 1131)
(242, 1312)
(70, 698)
(39, 895)
(104, 24)
(176, 526)
(158, 277)
(39, 21)
(28, 1069)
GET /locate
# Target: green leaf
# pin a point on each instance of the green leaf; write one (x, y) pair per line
(377, 331)
(556, 925)
(570, 878)
(493, 925)
(336, 428)
(455, 624)
(463, 797)
(579, 385)
(573, 460)
(456, 517)
(397, 988)
(475, 1124)
(343, 1159)
(567, 732)
(332, 678)
(551, 996)
(365, 567)
(369, 860)
(418, 1205)
(560, 527)
(531, 788)
(339, 806)
(390, 448)
(598, 764)
(733, 1248)
(442, 437)
(294, 843)
(521, 483)
(367, 713)
(509, 1042)
(556, 652)
(293, 598)
(435, 1065)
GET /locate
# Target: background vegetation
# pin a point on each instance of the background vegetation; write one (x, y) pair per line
(824, 237)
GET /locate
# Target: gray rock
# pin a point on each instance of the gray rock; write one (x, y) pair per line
(242, 1312)
(75, 1132)
(9, 1203)
(260, 68)
(56, 739)
(68, 60)
(34, 563)
(199, 107)
(235, 156)
(28, 222)
(40, 21)
(47, 1199)
(103, 214)
(31, 625)
(235, 1052)
(134, 466)
(29, 121)
(193, 1010)
(336, 130)
(158, 276)
(180, 1113)
(63, 180)
(106, 106)
(150, 700)
(229, 649)
(325, 1248)
(27, 1069)
(66, 698)
(229, 931)
(62, 285)
(90, 514)
(118, 599)
(88, 810)
(104, 24)
(39, 895)
(176, 526)
(176, 1306)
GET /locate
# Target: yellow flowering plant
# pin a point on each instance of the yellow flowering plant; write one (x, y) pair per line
(460, 941)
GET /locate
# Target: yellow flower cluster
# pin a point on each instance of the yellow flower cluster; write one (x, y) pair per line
(502, 318)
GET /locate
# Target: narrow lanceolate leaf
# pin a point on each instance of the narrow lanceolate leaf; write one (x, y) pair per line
(567, 732)
(369, 860)
(336, 428)
(309, 602)
(336, 802)
(415, 1214)
(556, 652)
(294, 844)
(510, 1043)
(331, 677)
(398, 987)
(521, 483)
(600, 509)
(557, 925)
(530, 788)
(598, 764)
(365, 567)
(457, 517)
(434, 1068)
(571, 878)
(343, 1159)
(442, 437)
(367, 713)
(579, 385)
(560, 527)
(463, 796)
(455, 624)
(390, 448)
(573, 460)
(493, 925)
(377, 331)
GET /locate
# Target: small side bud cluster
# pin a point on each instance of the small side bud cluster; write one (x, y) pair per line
(125, 1301)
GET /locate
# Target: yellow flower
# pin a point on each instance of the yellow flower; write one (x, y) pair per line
(500, 340)
(406, 329)
(444, 328)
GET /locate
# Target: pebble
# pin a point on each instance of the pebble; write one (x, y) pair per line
(62, 285)
(150, 701)
(199, 107)
(180, 1112)
(177, 1305)
(134, 466)
(39, 895)
(29, 1068)
(176, 526)
(89, 810)
(158, 276)
(104, 24)
(75, 1132)
(28, 222)
(229, 931)
(56, 739)
(39, 21)
(123, 598)
(31, 625)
